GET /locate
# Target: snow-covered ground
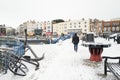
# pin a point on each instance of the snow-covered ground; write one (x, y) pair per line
(62, 63)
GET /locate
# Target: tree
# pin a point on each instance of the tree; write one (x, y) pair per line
(57, 21)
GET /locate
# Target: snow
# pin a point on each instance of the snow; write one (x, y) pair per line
(61, 62)
(114, 35)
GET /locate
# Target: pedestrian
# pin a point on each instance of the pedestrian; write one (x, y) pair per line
(75, 41)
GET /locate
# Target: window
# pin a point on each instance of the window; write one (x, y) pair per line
(48, 31)
(117, 28)
(113, 28)
(65, 27)
(48, 27)
(105, 29)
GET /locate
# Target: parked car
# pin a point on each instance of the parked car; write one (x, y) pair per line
(114, 35)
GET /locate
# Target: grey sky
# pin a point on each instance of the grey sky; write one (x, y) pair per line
(15, 12)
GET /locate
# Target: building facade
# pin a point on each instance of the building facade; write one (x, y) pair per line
(111, 26)
(78, 26)
(96, 26)
(10, 31)
(60, 28)
(31, 26)
(48, 29)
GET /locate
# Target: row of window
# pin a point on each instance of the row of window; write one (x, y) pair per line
(78, 26)
(78, 23)
(113, 29)
(77, 30)
(71, 24)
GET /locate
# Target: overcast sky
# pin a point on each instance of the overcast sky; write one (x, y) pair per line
(15, 12)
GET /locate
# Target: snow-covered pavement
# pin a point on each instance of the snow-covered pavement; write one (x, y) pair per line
(62, 63)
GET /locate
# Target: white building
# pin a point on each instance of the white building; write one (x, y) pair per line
(79, 26)
(30, 25)
(48, 28)
(60, 28)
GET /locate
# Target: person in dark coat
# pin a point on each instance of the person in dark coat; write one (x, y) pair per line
(75, 41)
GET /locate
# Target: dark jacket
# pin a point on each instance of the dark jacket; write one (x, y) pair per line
(75, 39)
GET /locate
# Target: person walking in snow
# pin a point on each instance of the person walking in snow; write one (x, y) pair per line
(75, 41)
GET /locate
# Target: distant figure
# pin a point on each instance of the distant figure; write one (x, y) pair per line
(75, 41)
